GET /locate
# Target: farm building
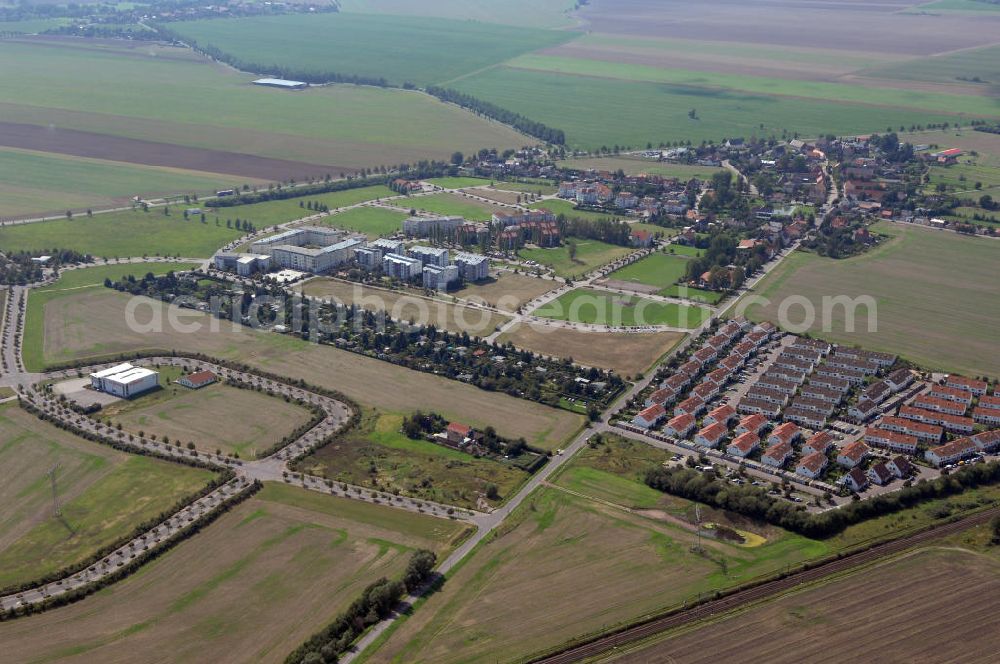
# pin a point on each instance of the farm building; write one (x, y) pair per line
(281, 83)
(124, 380)
(198, 379)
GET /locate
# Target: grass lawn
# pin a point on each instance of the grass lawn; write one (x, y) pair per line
(693, 294)
(370, 220)
(659, 269)
(270, 213)
(451, 205)
(377, 454)
(634, 563)
(590, 255)
(72, 282)
(459, 182)
(407, 307)
(89, 324)
(36, 182)
(124, 234)
(400, 49)
(559, 206)
(215, 417)
(596, 307)
(638, 166)
(930, 288)
(103, 495)
(252, 586)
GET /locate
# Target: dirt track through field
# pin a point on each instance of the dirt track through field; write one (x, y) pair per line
(135, 151)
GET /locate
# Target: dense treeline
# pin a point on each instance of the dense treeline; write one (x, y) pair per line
(611, 231)
(375, 603)
(492, 111)
(756, 503)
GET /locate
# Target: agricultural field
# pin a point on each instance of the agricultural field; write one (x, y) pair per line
(896, 604)
(399, 49)
(31, 26)
(451, 205)
(103, 495)
(241, 422)
(377, 454)
(972, 68)
(590, 255)
(89, 324)
(507, 291)
(371, 220)
(34, 183)
(164, 106)
(407, 307)
(627, 354)
(639, 166)
(596, 307)
(250, 587)
(130, 233)
(659, 111)
(271, 213)
(527, 13)
(491, 607)
(930, 288)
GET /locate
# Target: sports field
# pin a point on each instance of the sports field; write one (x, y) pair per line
(597, 307)
(377, 454)
(215, 417)
(33, 183)
(419, 50)
(406, 307)
(459, 182)
(157, 105)
(103, 495)
(131, 233)
(638, 166)
(898, 604)
(627, 354)
(590, 255)
(520, 592)
(935, 293)
(451, 205)
(370, 220)
(250, 587)
(270, 213)
(90, 324)
(659, 270)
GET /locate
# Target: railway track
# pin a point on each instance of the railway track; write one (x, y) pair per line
(767, 589)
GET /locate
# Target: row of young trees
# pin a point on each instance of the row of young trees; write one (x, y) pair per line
(530, 127)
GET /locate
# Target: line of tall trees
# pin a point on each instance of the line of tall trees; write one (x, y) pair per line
(375, 603)
(611, 231)
(479, 107)
(756, 503)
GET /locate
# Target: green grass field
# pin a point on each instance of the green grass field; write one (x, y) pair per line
(459, 182)
(105, 494)
(124, 234)
(271, 213)
(658, 111)
(637, 166)
(451, 204)
(930, 289)
(559, 206)
(32, 26)
(400, 49)
(164, 94)
(36, 182)
(659, 269)
(950, 67)
(73, 282)
(372, 221)
(693, 294)
(378, 454)
(595, 307)
(590, 254)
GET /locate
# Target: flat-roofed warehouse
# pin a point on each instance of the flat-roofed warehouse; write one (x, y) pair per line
(281, 83)
(124, 380)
